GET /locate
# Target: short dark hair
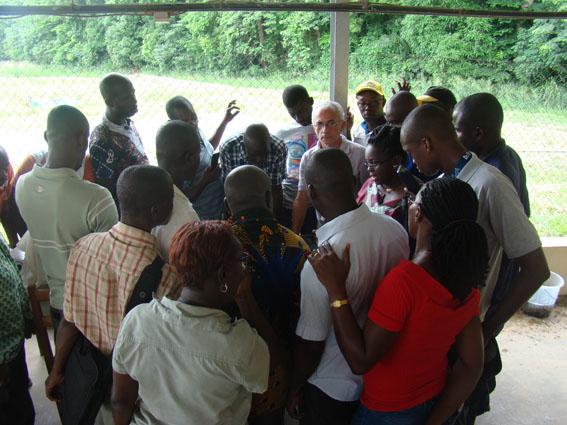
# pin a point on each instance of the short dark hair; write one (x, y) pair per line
(177, 102)
(459, 247)
(292, 95)
(198, 249)
(140, 187)
(386, 139)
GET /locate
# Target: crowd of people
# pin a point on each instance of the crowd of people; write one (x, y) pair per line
(344, 276)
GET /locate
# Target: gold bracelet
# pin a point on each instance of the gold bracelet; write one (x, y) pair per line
(339, 303)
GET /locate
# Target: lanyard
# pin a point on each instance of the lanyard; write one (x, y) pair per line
(463, 161)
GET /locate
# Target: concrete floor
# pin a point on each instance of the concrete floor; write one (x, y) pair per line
(531, 389)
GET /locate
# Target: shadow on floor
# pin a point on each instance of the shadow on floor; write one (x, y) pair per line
(531, 390)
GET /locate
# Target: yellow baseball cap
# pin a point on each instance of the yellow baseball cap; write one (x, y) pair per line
(426, 99)
(372, 86)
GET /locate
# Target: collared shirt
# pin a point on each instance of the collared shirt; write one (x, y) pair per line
(360, 134)
(193, 365)
(510, 164)
(277, 256)
(209, 205)
(102, 273)
(298, 139)
(502, 217)
(378, 244)
(181, 213)
(232, 155)
(60, 208)
(14, 306)
(354, 152)
(113, 148)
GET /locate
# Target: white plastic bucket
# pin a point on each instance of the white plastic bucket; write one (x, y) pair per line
(541, 303)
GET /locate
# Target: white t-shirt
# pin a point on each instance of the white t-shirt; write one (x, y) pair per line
(193, 365)
(182, 213)
(502, 217)
(298, 139)
(359, 135)
(378, 244)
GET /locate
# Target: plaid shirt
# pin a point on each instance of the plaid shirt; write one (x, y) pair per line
(232, 155)
(102, 273)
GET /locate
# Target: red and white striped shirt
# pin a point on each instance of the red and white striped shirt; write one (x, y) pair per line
(102, 272)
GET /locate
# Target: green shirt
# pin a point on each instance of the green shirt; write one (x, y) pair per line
(14, 305)
(60, 208)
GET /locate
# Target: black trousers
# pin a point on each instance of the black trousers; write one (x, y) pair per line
(16, 406)
(320, 409)
(56, 316)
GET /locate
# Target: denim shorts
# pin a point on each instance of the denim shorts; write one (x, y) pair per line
(416, 415)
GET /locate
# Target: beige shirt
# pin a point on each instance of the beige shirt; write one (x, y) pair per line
(202, 367)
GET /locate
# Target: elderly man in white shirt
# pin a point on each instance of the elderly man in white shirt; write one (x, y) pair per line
(330, 390)
(328, 122)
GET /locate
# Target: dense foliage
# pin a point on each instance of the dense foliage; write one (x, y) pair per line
(246, 43)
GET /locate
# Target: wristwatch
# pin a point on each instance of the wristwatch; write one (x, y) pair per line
(339, 303)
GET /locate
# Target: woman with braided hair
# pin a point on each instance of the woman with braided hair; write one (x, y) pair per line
(420, 310)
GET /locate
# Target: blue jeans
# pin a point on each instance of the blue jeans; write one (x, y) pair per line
(416, 415)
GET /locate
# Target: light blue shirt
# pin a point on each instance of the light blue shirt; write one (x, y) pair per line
(209, 204)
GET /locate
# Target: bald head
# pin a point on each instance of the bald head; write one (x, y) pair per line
(398, 108)
(140, 187)
(247, 187)
(481, 110)
(257, 143)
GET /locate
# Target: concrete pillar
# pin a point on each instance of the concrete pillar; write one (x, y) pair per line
(339, 55)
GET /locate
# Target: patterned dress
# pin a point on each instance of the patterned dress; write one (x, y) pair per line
(373, 197)
(277, 258)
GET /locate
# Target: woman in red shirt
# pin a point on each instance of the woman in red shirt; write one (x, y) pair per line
(420, 309)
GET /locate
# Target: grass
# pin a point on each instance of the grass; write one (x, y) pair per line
(535, 129)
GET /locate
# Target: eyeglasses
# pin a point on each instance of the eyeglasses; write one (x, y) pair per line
(373, 166)
(330, 124)
(367, 104)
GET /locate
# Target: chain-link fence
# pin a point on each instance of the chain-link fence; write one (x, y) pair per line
(535, 124)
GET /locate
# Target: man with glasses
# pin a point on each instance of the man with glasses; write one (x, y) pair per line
(370, 100)
(256, 146)
(328, 122)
